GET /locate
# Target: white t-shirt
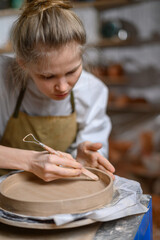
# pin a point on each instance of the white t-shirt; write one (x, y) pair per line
(90, 96)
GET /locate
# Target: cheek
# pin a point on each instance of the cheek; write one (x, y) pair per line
(43, 86)
(76, 77)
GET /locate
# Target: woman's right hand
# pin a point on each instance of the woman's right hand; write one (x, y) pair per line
(50, 166)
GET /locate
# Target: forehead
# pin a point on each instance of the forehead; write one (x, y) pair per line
(61, 59)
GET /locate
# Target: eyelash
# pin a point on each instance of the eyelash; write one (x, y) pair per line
(69, 73)
(51, 77)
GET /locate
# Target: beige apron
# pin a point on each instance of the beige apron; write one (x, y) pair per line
(58, 132)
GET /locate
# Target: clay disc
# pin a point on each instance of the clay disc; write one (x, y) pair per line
(24, 193)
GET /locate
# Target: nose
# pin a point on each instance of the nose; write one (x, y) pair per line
(61, 85)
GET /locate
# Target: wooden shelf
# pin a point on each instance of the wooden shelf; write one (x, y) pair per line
(114, 81)
(106, 4)
(6, 49)
(98, 4)
(9, 12)
(109, 43)
(115, 42)
(101, 4)
(134, 108)
(138, 168)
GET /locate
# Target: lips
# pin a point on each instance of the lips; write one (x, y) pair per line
(61, 94)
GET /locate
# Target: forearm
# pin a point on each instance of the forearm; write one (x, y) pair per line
(44, 165)
(94, 124)
(13, 158)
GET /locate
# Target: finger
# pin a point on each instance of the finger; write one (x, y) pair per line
(93, 161)
(105, 163)
(66, 172)
(65, 162)
(66, 155)
(93, 146)
(101, 160)
(59, 172)
(49, 177)
(49, 149)
(104, 170)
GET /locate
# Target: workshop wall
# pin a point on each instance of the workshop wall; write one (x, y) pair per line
(135, 92)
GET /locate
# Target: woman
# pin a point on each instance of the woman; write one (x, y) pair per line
(44, 91)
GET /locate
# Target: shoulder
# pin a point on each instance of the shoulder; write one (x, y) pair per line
(5, 61)
(6, 74)
(90, 86)
(5, 67)
(88, 79)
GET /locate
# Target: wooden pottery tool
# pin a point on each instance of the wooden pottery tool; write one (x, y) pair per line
(52, 151)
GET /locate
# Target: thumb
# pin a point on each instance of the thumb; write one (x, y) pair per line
(93, 146)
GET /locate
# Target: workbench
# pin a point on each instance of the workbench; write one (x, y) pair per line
(136, 227)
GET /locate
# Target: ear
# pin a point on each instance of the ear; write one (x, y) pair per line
(21, 63)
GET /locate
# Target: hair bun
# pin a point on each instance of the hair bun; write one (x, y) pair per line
(33, 7)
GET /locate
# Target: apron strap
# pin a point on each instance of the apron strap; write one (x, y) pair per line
(21, 96)
(19, 101)
(72, 101)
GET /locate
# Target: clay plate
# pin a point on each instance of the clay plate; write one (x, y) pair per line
(25, 194)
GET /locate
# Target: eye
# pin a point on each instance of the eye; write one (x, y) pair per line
(70, 73)
(48, 77)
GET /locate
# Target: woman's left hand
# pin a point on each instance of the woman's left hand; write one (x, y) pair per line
(88, 155)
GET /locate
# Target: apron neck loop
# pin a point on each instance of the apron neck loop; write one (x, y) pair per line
(72, 101)
(19, 101)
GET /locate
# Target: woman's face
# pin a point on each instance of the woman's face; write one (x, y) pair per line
(56, 74)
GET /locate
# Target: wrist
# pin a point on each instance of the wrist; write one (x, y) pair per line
(13, 158)
(27, 160)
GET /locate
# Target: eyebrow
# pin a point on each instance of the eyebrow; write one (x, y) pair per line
(51, 74)
(74, 69)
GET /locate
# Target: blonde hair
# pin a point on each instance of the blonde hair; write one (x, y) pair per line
(48, 24)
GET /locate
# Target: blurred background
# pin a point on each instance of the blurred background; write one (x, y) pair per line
(123, 51)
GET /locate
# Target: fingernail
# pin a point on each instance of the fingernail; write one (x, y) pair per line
(80, 171)
(80, 166)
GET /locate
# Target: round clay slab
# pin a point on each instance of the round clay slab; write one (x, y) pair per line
(35, 225)
(24, 193)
